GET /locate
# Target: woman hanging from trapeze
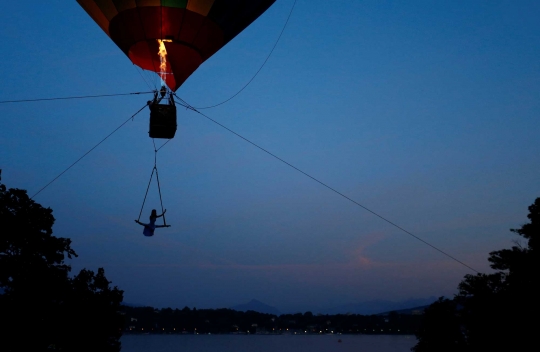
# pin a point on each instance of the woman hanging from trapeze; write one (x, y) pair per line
(150, 227)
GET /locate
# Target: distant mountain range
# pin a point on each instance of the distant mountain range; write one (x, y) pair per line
(256, 306)
(409, 311)
(363, 308)
(379, 306)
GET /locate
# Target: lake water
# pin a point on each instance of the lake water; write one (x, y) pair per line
(264, 343)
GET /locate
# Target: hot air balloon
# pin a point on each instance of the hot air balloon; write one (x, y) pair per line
(172, 37)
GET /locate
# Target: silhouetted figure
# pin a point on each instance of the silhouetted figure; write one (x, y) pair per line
(150, 227)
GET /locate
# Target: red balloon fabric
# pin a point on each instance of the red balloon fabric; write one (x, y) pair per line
(191, 30)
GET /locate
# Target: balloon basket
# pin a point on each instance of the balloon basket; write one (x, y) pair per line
(162, 120)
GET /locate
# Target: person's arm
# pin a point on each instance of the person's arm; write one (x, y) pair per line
(164, 211)
(140, 223)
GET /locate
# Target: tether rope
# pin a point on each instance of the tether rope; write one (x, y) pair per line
(71, 98)
(188, 106)
(88, 152)
(260, 68)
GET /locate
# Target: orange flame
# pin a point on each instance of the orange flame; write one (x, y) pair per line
(162, 59)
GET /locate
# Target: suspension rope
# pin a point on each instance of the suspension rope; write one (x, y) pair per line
(146, 194)
(164, 144)
(144, 79)
(155, 169)
(160, 199)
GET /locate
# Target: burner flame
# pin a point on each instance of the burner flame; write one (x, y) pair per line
(163, 59)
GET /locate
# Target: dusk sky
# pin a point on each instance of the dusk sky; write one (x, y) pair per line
(426, 112)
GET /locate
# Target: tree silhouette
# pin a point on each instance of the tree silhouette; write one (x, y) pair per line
(39, 299)
(440, 330)
(498, 310)
(497, 306)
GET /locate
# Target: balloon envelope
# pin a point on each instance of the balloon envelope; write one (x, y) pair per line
(191, 30)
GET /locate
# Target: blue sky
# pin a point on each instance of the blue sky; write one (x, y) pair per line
(425, 112)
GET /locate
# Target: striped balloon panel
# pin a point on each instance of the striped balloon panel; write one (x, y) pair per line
(194, 30)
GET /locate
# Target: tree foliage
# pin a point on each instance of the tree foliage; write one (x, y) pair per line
(440, 330)
(39, 299)
(493, 311)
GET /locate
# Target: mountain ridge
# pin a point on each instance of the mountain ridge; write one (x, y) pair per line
(257, 306)
(372, 307)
